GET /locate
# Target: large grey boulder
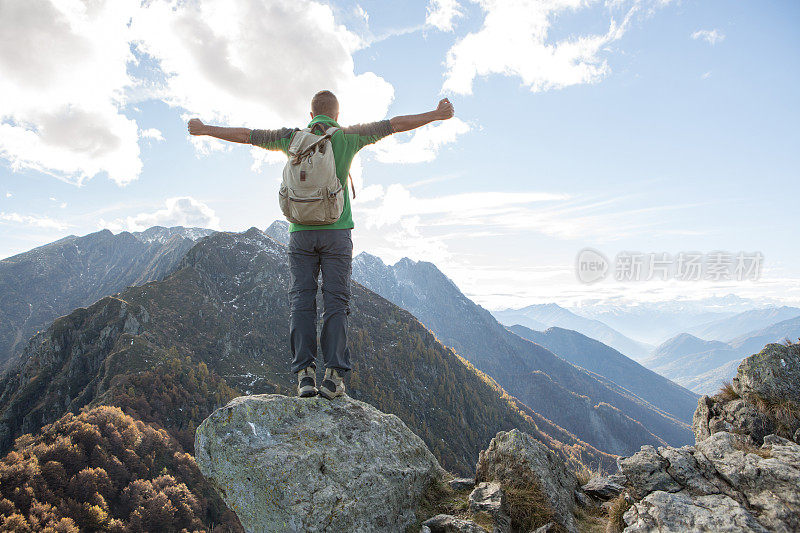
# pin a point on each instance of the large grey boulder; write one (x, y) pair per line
(309, 464)
(515, 458)
(720, 484)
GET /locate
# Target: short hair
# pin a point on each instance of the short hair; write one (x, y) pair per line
(324, 103)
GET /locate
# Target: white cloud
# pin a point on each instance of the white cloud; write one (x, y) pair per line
(62, 81)
(151, 133)
(423, 145)
(65, 81)
(712, 37)
(32, 220)
(442, 13)
(257, 64)
(513, 41)
(179, 211)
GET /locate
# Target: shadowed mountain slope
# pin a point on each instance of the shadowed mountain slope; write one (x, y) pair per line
(595, 356)
(49, 281)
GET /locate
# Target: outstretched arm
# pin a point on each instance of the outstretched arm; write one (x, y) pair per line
(236, 135)
(410, 122)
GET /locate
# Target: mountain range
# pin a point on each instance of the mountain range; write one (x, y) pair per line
(223, 312)
(593, 407)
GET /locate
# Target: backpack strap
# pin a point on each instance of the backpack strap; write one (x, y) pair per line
(352, 187)
(327, 135)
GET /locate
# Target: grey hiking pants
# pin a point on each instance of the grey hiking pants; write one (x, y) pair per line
(330, 250)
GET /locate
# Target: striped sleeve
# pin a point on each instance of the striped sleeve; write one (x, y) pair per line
(272, 139)
(363, 134)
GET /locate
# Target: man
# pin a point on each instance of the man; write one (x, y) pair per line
(328, 247)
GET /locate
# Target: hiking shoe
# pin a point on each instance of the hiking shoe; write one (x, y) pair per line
(332, 384)
(307, 382)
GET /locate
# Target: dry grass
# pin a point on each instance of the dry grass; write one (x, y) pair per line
(615, 512)
(440, 498)
(584, 475)
(727, 392)
(528, 507)
(785, 413)
(591, 520)
(788, 342)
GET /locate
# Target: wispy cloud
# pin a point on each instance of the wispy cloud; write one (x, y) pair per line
(712, 37)
(179, 211)
(33, 220)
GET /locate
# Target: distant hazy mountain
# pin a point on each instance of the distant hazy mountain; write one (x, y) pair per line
(732, 327)
(592, 407)
(49, 281)
(653, 322)
(543, 316)
(219, 321)
(753, 341)
(593, 355)
(701, 365)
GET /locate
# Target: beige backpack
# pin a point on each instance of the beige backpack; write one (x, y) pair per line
(311, 193)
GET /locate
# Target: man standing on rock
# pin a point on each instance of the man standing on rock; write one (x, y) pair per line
(328, 247)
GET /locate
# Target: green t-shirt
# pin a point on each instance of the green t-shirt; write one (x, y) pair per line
(346, 143)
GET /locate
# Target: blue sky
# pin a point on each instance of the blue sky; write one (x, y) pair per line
(646, 126)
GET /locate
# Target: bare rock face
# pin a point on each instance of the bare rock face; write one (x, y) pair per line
(723, 483)
(514, 456)
(309, 464)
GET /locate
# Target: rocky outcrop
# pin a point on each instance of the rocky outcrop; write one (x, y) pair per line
(763, 398)
(740, 475)
(721, 484)
(772, 375)
(516, 459)
(715, 414)
(292, 464)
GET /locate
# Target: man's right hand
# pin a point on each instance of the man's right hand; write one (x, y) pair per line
(445, 109)
(196, 127)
